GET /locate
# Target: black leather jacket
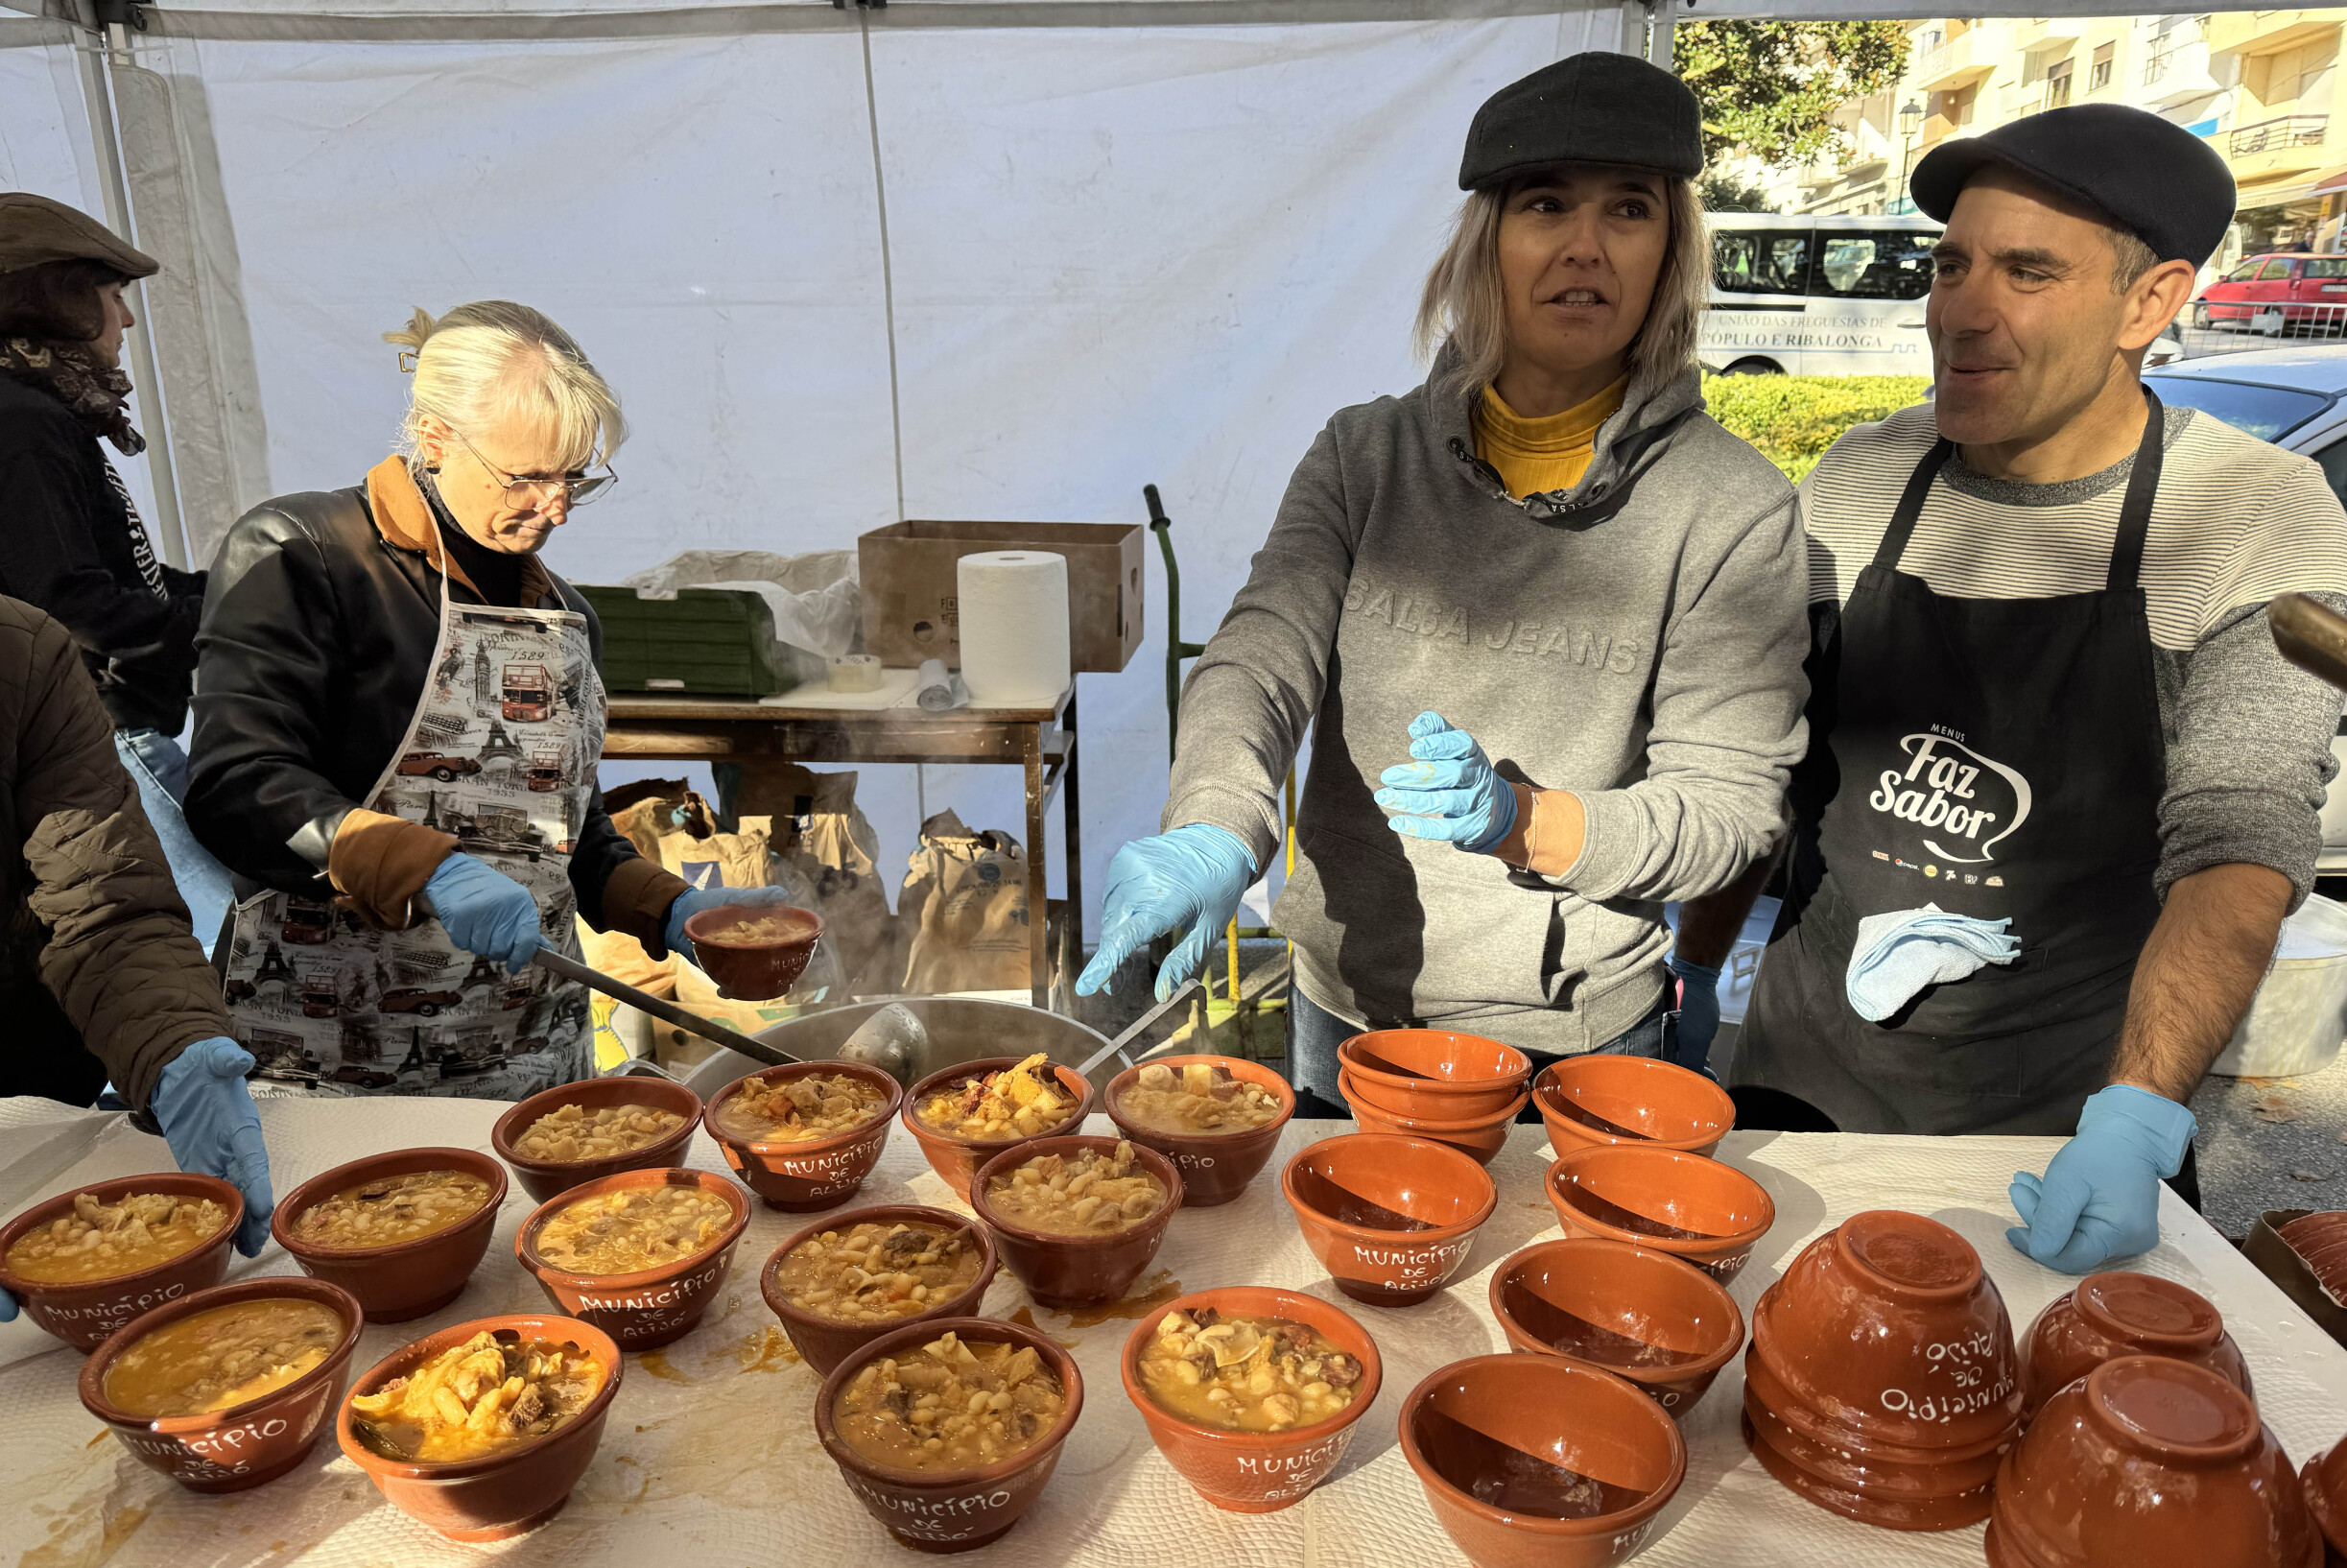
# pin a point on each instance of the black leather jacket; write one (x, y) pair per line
(317, 641)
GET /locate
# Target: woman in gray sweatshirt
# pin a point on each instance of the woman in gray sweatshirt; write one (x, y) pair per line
(1546, 614)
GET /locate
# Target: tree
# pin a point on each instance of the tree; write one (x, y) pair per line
(1725, 193)
(1770, 88)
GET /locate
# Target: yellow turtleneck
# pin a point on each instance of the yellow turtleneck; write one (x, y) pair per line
(1534, 456)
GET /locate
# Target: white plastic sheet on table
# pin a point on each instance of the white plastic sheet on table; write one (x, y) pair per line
(710, 1459)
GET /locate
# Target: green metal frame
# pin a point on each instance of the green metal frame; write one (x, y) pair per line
(1177, 651)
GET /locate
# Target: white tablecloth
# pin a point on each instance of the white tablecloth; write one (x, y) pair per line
(710, 1459)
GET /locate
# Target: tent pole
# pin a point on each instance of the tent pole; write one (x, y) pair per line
(1659, 39)
(97, 95)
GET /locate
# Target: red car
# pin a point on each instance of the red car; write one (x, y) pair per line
(415, 999)
(2278, 288)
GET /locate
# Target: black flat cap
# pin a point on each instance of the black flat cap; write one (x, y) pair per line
(1586, 108)
(2147, 176)
(33, 230)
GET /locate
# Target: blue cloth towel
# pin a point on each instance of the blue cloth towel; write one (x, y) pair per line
(1898, 954)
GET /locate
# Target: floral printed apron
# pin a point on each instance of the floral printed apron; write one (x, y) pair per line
(500, 753)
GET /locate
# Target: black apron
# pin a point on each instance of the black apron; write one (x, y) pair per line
(1998, 757)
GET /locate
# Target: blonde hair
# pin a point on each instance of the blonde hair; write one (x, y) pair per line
(1462, 304)
(494, 364)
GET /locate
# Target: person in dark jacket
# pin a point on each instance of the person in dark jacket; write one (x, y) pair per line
(99, 976)
(397, 722)
(71, 542)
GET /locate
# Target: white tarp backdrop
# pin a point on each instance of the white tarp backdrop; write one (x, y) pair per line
(952, 259)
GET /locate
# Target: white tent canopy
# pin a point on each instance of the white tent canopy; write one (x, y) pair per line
(950, 258)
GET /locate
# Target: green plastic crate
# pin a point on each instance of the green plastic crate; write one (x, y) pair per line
(716, 642)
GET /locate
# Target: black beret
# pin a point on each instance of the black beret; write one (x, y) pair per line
(1593, 107)
(2147, 176)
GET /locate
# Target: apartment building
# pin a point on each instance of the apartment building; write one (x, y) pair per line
(2263, 87)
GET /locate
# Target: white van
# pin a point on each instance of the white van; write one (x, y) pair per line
(1801, 296)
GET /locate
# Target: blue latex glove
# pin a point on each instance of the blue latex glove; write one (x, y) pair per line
(1698, 1019)
(209, 1121)
(1451, 791)
(485, 910)
(693, 900)
(2101, 1196)
(1191, 877)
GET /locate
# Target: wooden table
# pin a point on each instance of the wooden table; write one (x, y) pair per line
(1041, 740)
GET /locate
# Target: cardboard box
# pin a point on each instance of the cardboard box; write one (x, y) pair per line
(910, 590)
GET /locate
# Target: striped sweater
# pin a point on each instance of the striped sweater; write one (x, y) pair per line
(2235, 522)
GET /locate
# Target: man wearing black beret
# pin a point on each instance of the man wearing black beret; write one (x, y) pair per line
(2060, 791)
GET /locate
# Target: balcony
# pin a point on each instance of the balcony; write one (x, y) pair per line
(2044, 34)
(2276, 149)
(2268, 31)
(1959, 63)
(2175, 70)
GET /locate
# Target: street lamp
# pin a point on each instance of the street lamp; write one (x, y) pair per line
(1910, 119)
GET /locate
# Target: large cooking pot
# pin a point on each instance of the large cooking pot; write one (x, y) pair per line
(961, 1029)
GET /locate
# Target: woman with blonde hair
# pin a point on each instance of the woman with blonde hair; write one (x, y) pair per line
(1545, 613)
(396, 731)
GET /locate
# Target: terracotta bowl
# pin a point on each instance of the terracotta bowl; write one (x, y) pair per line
(406, 1279)
(650, 1307)
(1628, 1192)
(1071, 1270)
(543, 1178)
(1256, 1472)
(1479, 1138)
(754, 971)
(1926, 1492)
(1462, 1423)
(819, 1172)
(1657, 1321)
(1433, 1073)
(2113, 1315)
(244, 1445)
(1594, 1100)
(1891, 1331)
(2321, 1240)
(1215, 1167)
(951, 1510)
(2148, 1459)
(826, 1342)
(500, 1494)
(84, 1314)
(956, 1160)
(1432, 1183)
(2324, 1481)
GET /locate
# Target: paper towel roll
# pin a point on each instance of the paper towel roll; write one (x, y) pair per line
(1013, 614)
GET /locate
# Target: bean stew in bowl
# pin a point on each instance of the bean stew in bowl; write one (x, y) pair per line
(86, 1262)
(1076, 1219)
(804, 1136)
(598, 1126)
(401, 1231)
(964, 1115)
(1216, 1118)
(641, 1254)
(841, 1283)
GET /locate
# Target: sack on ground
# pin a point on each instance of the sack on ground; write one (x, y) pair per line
(964, 901)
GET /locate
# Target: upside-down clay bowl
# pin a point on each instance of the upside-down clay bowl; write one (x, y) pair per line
(1657, 1321)
(86, 1313)
(950, 1511)
(245, 1445)
(1338, 1187)
(1474, 1421)
(2146, 1462)
(826, 1342)
(1479, 1138)
(1664, 1200)
(754, 971)
(1256, 1472)
(813, 1173)
(405, 1279)
(2324, 1481)
(1072, 1271)
(1595, 1099)
(955, 1159)
(543, 1178)
(647, 1308)
(502, 1493)
(1215, 1167)
(2119, 1314)
(1434, 1074)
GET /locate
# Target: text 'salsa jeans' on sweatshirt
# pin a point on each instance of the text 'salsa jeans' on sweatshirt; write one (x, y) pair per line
(1637, 638)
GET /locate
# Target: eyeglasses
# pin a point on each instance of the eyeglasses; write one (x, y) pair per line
(521, 491)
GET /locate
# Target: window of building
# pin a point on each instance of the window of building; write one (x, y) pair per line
(2099, 77)
(2058, 84)
(1760, 260)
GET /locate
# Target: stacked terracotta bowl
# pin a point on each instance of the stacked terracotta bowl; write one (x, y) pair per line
(1460, 1090)
(1882, 1383)
(2114, 1315)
